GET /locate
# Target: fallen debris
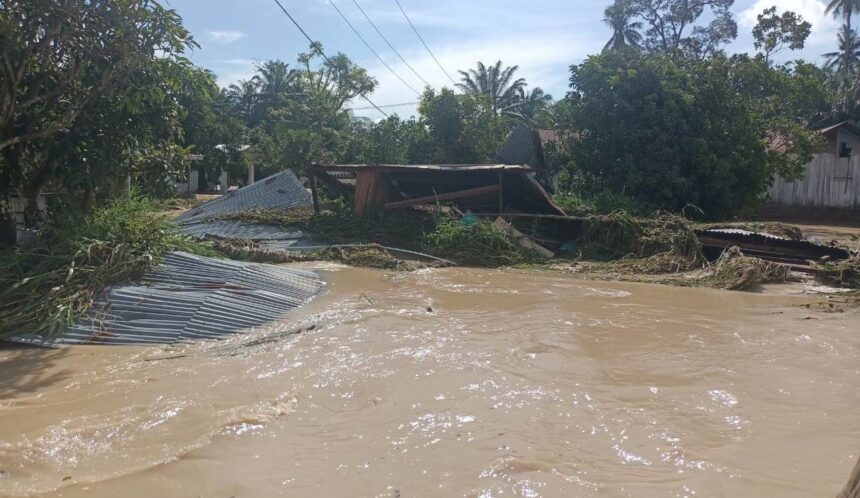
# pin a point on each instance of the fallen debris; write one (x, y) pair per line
(363, 255)
(663, 244)
(735, 271)
(845, 273)
(522, 239)
(798, 253)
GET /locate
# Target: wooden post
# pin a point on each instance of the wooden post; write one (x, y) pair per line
(501, 191)
(313, 180)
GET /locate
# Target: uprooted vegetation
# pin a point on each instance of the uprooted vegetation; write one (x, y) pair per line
(664, 243)
(45, 286)
(734, 271)
(368, 256)
(475, 243)
(845, 273)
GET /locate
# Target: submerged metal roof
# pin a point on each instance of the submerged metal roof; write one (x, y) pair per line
(191, 297)
(280, 191)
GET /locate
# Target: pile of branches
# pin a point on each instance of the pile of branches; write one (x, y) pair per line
(47, 285)
(734, 271)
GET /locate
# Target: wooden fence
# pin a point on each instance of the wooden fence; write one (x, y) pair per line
(829, 181)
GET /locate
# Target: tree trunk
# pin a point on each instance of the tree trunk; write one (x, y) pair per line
(8, 230)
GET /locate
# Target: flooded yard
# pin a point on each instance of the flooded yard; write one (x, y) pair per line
(454, 382)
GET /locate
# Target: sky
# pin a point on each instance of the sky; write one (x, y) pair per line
(542, 37)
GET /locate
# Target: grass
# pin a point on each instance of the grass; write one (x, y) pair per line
(47, 285)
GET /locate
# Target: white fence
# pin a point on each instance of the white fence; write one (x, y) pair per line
(829, 181)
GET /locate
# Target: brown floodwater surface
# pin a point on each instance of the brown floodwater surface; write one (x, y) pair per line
(454, 382)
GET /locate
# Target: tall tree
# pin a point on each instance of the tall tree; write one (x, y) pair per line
(672, 134)
(61, 61)
(328, 85)
(774, 32)
(625, 32)
(496, 83)
(673, 29)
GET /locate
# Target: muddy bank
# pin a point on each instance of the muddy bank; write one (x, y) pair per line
(449, 382)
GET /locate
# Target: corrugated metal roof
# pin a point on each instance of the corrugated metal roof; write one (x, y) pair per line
(521, 147)
(240, 230)
(280, 191)
(756, 241)
(192, 297)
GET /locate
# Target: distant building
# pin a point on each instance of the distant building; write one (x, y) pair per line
(831, 179)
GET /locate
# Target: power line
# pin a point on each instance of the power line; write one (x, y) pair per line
(389, 44)
(423, 42)
(403, 104)
(325, 56)
(371, 48)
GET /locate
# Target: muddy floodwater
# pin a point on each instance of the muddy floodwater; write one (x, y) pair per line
(454, 382)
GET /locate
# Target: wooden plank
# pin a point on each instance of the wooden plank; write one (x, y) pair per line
(472, 192)
(522, 239)
(371, 191)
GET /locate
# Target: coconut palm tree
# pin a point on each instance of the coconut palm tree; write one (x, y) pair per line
(496, 83)
(276, 78)
(624, 32)
(844, 8)
(845, 60)
(244, 96)
(530, 104)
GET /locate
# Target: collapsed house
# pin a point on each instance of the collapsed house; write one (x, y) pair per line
(510, 185)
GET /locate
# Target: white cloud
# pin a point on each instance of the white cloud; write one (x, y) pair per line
(225, 37)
